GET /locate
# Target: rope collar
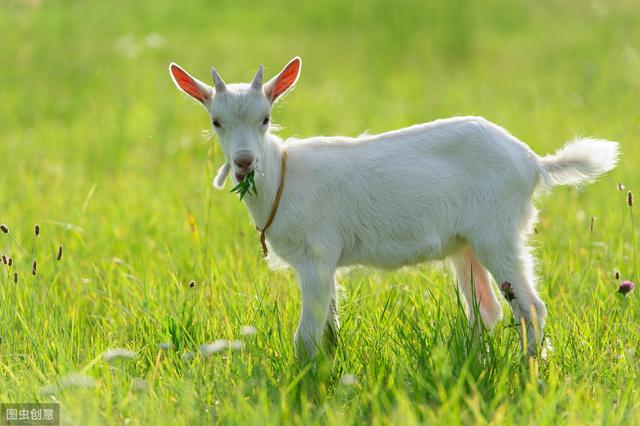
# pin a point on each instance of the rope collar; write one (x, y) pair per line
(276, 203)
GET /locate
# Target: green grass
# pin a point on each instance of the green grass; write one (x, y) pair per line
(100, 150)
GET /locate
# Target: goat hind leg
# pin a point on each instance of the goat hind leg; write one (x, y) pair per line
(511, 264)
(475, 285)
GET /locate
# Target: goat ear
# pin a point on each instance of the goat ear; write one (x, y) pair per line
(189, 85)
(223, 171)
(284, 81)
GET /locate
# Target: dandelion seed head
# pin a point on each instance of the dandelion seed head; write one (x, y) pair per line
(49, 389)
(187, 356)
(215, 347)
(77, 381)
(248, 330)
(349, 380)
(236, 345)
(547, 348)
(139, 384)
(118, 353)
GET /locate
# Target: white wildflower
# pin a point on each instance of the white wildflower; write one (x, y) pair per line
(140, 385)
(77, 381)
(248, 330)
(215, 347)
(187, 356)
(221, 345)
(236, 345)
(349, 379)
(547, 348)
(117, 353)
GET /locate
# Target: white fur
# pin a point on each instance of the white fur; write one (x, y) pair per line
(221, 176)
(580, 161)
(458, 188)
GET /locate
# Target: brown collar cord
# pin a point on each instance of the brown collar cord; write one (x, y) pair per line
(274, 209)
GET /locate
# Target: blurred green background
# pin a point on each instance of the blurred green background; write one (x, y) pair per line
(100, 149)
(86, 98)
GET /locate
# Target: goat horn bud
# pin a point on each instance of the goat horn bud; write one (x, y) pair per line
(217, 81)
(257, 80)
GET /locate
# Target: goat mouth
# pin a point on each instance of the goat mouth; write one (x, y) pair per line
(240, 176)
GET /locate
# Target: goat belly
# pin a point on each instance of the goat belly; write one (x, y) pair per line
(392, 254)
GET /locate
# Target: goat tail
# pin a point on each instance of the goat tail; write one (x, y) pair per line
(579, 161)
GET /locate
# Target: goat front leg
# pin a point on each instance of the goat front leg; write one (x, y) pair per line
(332, 325)
(319, 316)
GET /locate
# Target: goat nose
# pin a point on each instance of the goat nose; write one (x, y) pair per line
(244, 162)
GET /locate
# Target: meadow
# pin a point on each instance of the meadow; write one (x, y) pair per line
(99, 149)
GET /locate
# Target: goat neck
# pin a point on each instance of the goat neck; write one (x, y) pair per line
(267, 179)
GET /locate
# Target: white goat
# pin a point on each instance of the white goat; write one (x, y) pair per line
(458, 188)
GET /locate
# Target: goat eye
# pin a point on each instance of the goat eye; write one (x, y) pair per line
(265, 121)
(217, 124)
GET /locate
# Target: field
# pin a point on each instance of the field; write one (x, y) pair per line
(100, 150)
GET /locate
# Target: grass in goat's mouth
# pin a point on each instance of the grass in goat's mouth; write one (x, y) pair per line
(246, 186)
